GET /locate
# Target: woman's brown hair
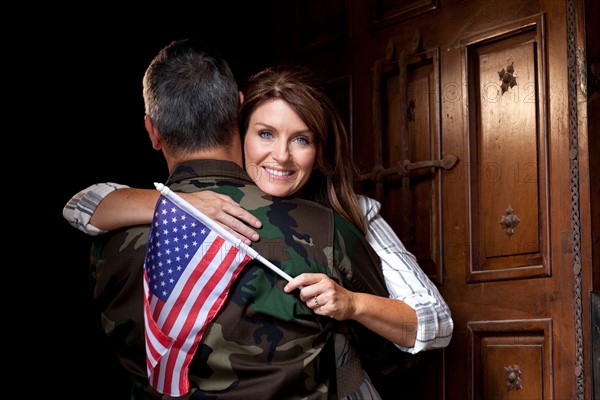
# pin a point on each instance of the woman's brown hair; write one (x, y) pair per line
(331, 182)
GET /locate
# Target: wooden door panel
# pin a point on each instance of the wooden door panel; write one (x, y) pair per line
(508, 153)
(511, 359)
(406, 130)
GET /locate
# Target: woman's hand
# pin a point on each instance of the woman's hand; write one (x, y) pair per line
(323, 295)
(225, 211)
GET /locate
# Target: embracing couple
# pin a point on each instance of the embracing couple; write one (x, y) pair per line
(273, 165)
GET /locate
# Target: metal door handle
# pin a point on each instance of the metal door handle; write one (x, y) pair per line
(403, 167)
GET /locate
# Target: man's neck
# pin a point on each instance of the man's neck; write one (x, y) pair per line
(225, 154)
(231, 152)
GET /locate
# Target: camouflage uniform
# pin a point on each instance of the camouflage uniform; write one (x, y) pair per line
(264, 343)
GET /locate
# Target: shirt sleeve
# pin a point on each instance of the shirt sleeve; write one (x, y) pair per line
(406, 281)
(79, 209)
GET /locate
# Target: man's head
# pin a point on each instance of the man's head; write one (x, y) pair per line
(191, 99)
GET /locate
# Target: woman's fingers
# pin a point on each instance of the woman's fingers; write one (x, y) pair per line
(323, 295)
(306, 282)
(228, 213)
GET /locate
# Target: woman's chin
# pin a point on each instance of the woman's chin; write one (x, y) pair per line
(277, 191)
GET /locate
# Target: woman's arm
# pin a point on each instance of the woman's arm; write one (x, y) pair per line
(407, 282)
(389, 318)
(80, 208)
(101, 207)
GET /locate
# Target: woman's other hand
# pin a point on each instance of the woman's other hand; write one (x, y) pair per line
(224, 210)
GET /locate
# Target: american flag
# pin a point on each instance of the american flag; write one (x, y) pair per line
(188, 271)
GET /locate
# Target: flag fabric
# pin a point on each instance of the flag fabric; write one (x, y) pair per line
(188, 271)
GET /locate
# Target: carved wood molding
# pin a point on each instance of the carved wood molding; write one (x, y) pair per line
(574, 188)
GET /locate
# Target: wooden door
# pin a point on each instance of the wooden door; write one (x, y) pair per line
(466, 122)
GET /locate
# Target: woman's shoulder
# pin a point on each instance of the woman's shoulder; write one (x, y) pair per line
(369, 206)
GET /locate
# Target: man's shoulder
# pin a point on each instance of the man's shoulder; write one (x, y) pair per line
(121, 242)
(302, 215)
(310, 204)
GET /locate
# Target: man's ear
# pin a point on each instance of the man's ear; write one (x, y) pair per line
(152, 133)
(241, 97)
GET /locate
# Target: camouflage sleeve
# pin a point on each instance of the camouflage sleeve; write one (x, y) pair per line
(361, 272)
(116, 274)
(358, 262)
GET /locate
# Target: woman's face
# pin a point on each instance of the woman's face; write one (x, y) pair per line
(279, 149)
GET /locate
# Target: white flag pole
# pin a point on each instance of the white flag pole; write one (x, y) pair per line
(215, 226)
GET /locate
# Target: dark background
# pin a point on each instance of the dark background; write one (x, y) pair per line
(83, 90)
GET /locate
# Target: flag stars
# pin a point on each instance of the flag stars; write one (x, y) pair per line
(174, 240)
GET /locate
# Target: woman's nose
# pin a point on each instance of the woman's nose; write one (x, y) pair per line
(281, 153)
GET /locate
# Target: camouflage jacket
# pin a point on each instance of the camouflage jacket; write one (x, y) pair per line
(263, 341)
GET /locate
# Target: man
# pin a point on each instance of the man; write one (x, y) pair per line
(263, 342)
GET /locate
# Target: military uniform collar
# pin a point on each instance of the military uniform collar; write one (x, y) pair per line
(198, 168)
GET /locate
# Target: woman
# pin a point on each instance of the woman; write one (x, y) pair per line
(295, 144)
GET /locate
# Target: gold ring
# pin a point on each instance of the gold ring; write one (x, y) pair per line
(316, 301)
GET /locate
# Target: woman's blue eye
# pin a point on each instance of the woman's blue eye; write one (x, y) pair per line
(302, 140)
(265, 134)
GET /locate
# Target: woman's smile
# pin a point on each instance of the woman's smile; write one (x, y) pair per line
(278, 173)
(279, 149)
